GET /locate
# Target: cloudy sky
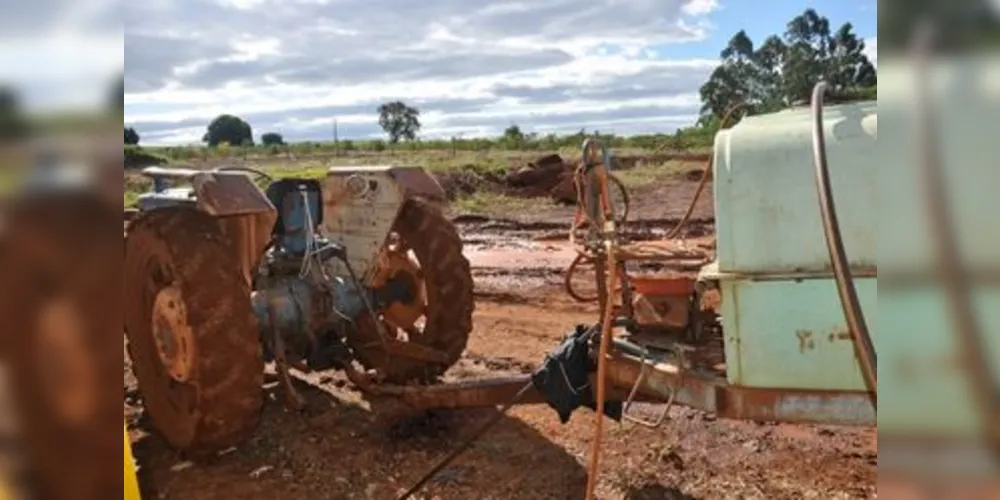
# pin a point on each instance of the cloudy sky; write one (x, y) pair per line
(61, 54)
(472, 67)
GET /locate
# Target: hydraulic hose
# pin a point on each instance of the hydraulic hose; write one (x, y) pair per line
(705, 174)
(835, 244)
(584, 211)
(583, 257)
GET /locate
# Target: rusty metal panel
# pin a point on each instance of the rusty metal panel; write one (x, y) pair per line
(360, 205)
(416, 182)
(250, 235)
(229, 193)
(664, 381)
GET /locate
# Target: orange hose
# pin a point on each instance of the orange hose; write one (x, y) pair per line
(568, 280)
(595, 451)
(578, 218)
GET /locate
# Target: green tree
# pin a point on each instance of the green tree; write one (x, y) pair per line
(116, 97)
(272, 139)
(815, 54)
(229, 129)
(399, 121)
(783, 70)
(13, 124)
(513, 137)
(131, 137)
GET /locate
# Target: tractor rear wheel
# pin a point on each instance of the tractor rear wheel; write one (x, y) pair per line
(439, 314)
(193, 339)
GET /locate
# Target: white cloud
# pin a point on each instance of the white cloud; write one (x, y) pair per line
(61, 54)
(871, 49)
(701, 7)
(471, 66)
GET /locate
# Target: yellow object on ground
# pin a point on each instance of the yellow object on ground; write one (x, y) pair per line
(131, 482)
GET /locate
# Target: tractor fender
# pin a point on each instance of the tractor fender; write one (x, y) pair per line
(361, 204)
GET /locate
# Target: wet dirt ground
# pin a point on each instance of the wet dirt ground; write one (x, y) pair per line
(339, 449)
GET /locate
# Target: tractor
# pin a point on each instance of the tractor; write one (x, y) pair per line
(223, 276)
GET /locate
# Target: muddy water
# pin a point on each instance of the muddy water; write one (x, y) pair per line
(512, 257)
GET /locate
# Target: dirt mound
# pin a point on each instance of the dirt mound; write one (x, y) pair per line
(545, 177)
(469, 180)
(549, 176)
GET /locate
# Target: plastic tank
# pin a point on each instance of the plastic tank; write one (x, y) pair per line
(783, 321)
(781, 315)
(767, 210)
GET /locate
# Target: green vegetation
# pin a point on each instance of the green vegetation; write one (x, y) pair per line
(650, 173)
(13, 124)
(444, 151)
(399, 121)
(228, 129)
(136, 157)
(131, 137)
(272, 139)
(130, 198)
(783, 70)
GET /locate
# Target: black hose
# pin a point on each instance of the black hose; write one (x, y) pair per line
(838, 257)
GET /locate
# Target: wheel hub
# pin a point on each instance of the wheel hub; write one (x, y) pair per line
(66, 369)
(172, 334)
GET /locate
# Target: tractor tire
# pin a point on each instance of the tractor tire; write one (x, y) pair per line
(60, 263)
(447, 276)
(208, 395)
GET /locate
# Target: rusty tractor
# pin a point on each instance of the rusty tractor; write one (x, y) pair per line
(222, 277)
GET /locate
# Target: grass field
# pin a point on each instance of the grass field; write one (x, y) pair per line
(493, 164)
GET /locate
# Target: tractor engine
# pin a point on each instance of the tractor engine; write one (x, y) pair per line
(298, 298)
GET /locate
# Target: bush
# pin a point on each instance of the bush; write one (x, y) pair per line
(136, 157)
(272, 139)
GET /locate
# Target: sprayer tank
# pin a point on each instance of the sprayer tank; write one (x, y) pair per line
(781, 312)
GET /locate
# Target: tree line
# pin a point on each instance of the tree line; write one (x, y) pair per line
(781, 71)
(399, 121)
